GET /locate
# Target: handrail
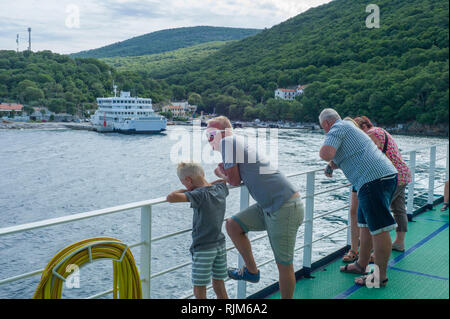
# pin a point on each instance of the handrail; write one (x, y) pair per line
(147, 239)
(79, 216)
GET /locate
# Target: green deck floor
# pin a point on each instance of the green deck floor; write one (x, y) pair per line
(421, 272)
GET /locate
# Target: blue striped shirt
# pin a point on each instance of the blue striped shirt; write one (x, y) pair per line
(357, 155)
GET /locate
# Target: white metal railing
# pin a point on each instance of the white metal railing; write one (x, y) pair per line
(146, 223)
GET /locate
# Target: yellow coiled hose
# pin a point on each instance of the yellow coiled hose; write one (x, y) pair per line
(125, 274)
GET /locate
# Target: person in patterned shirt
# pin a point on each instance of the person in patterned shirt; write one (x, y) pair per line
(388, 146)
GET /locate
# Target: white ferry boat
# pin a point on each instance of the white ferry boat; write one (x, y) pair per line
(126, 114)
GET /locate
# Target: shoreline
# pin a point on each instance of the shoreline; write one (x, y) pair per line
(10, 125)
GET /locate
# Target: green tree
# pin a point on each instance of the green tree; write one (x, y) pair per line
(31, 94)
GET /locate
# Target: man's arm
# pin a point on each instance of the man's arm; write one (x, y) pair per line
(327, 153)
(177, 196)
(231, 175)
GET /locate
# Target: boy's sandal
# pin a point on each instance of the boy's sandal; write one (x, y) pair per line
(350, 256)
(363, 280)
(444, 207)
(357, 270)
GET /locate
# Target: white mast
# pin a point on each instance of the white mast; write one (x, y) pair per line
(115, 89)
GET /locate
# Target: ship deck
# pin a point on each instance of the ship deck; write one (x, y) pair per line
(420, 272)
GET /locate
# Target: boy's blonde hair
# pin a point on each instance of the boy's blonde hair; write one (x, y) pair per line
(189, 169)
(223, 122)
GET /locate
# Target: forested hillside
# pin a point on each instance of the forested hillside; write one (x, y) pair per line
(396, 73)
(69, 85)
(157, 64)
(167, 40)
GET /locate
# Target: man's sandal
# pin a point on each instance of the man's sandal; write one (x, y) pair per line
(359, 270)
(350, 256)
(363, 279)
(444, 207)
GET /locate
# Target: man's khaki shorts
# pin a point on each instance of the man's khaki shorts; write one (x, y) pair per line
(281, 226)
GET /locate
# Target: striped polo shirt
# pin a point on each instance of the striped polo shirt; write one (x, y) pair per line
(357, 155)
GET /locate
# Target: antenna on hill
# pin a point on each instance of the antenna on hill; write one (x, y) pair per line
(17, 41)
(29, 39)
(115, 89)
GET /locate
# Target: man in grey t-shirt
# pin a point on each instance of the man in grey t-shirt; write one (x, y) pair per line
(278, 210)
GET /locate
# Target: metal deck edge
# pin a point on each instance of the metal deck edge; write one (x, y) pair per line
(317, 265)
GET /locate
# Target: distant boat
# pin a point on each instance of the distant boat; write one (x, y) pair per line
(126, 114)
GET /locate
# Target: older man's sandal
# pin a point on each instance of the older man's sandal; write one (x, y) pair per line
(359, 270)
(372, 281)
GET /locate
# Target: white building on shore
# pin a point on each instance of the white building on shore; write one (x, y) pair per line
(289, 93)
(179, 108)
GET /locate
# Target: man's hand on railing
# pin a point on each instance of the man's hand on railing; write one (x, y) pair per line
(220, 171)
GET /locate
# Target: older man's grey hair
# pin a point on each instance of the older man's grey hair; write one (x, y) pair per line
(329, 115)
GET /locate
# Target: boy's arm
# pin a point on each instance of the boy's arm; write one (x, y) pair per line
(177, 196)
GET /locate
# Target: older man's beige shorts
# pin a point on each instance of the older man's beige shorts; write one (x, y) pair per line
(281, 226)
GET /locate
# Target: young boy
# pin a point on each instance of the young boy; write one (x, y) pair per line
(208, 242)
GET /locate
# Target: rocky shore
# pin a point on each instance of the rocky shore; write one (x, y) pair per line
(45, 125)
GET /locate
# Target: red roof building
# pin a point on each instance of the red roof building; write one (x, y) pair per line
(10, 107)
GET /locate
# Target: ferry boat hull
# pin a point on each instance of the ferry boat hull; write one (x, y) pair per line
(126, 114)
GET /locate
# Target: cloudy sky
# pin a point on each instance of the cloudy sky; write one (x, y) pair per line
(67, 26)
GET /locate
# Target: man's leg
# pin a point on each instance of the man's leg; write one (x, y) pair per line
(287, 280)
(382, 245)
(354, 229)
(242, 244)
(365, 247)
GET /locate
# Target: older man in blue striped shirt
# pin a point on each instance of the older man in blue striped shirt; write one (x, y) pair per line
(375, 178)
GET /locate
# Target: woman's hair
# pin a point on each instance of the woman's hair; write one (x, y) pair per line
(348, 118)
(190, 169)
(363, 120)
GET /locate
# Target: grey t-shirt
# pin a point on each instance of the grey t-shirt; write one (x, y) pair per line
(268, 186)
(209, 205)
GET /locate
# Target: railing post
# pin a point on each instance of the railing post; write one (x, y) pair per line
(431, 176)
(309, 209)
(410, 202)
(146, 250)
(349, 229)
(446, 166)
(244, 203)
